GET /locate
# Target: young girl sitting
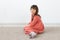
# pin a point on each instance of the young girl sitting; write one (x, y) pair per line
(35, 26)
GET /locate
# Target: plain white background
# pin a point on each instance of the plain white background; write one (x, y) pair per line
(18, 11)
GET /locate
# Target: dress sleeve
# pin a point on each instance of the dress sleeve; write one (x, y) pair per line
(34, 21)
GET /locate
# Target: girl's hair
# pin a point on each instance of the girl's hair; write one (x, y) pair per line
(36, 8)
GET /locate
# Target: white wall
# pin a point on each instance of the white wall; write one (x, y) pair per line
(18, 11)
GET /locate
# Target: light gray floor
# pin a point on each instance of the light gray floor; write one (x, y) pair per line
(16, 33)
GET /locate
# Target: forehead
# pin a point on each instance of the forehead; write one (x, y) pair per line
(33, 9)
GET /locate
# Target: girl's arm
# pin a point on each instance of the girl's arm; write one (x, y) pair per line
(34, 21)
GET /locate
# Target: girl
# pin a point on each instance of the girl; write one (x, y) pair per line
(35, 26)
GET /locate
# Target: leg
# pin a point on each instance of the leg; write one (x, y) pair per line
(27, 30)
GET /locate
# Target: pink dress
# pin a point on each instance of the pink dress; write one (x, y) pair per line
(36, 26)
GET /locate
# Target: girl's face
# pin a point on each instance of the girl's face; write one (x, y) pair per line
(33, 11)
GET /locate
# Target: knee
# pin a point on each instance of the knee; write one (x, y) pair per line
(25, 28)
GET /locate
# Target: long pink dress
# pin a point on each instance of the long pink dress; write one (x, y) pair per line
(36, 26)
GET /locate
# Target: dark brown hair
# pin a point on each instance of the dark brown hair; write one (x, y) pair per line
(36, 8)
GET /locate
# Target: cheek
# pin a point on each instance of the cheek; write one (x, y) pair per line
(33, 11)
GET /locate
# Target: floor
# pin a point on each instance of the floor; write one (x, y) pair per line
(16, 33)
